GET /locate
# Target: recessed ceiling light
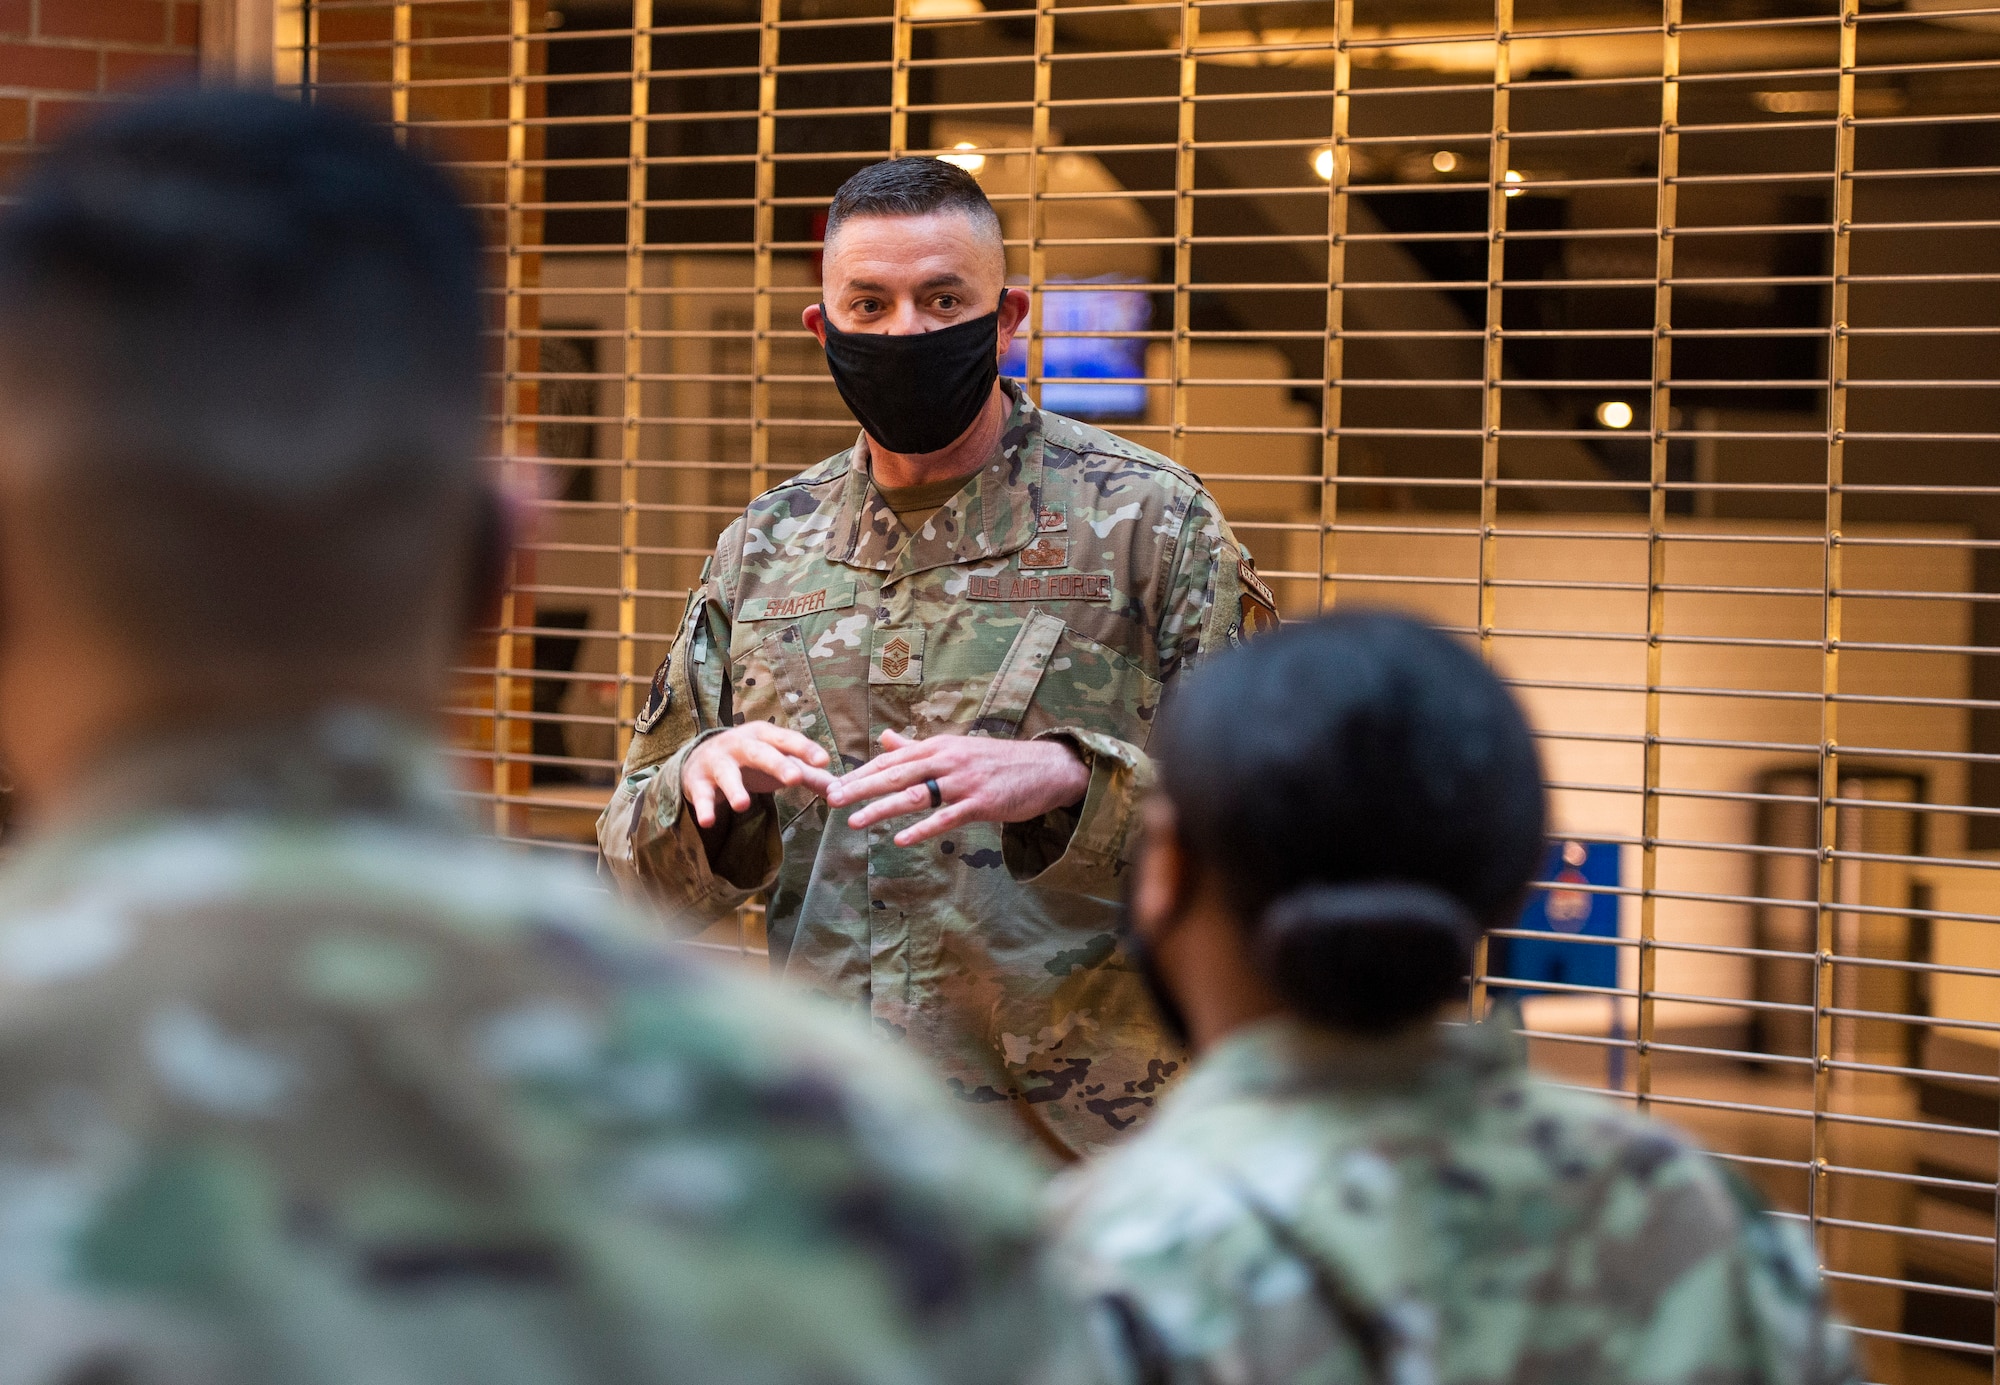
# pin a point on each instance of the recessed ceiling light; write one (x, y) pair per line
(971, 162)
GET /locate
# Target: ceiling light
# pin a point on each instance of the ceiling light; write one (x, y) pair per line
(1615, 413)
(1444, 161)
(1322, 161)
(970, 162)
(1826, 101)
(1795, 102)
(1514, 176)
(945, 9)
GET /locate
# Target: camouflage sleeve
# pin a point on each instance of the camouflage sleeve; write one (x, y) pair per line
(1796, 1340)
(1214, 598)
(825, 1215)
(647, 842)
(1727, 1290)
(1223, 601)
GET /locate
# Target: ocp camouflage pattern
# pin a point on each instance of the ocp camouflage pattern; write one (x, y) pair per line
(1057, 595)
(1425, 1213)
(301, 1082)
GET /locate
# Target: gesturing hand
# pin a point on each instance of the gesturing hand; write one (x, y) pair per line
(754, 758)
(982, 780)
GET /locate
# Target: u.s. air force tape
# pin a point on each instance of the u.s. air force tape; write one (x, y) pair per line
(1052, 586)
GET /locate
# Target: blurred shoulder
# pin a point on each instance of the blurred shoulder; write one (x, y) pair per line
(1588, 1139)
(813, 1068)
(676, 1139)
(1503, 1144)
(1168, 1197)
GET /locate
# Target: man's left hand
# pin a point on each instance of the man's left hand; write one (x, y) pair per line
(981, 778)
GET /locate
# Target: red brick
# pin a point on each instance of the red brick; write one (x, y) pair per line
(54, 114)
(131, 21)
(15, 15)
(48, 67)
(13, 119)
(187, 24)
(138, 71)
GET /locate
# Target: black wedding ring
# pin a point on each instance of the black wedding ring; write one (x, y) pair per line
(937, 794)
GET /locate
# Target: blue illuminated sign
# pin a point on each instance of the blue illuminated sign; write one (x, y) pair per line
(1086, 360)
(1559, 914)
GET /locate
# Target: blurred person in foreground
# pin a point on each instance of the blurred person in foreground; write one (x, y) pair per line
(299, 1080)
(911, 697)
(1345, 1188)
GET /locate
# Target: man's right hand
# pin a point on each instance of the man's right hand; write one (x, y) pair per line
(754, 758)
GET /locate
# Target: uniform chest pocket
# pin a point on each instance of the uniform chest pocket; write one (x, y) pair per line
(1092, 687)
(1047, 675)
(815, 625)
(962, 673)
(779, 635)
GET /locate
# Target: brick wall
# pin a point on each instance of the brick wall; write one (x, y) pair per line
(61, 58)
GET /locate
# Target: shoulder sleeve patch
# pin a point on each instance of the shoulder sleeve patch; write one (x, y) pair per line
(1259, 610)
(658, 700)
(660, 696)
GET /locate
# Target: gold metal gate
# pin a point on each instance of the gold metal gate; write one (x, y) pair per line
(1652, 345)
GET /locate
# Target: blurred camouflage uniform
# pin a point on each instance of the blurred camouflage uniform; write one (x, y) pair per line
(1055, 596)
(301, 1082)
(1426, 1212)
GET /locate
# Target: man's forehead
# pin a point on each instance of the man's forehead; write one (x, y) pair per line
(869, 276)
(941, 249)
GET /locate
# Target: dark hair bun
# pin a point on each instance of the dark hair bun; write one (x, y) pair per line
(1369, 957)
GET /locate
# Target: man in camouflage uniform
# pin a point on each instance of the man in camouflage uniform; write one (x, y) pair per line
(996, 597)
(299, 1080)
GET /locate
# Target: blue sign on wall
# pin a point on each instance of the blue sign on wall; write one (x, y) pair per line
(1106, 309)
(1562, 914)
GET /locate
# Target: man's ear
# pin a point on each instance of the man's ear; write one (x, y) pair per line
(1013, 313)
(814, 318)
(1161, 875)
(499, 519)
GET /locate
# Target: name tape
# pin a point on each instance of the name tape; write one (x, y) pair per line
(796, 604)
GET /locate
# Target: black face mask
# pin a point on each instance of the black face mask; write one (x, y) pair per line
(1172, 1018)
(916, 393)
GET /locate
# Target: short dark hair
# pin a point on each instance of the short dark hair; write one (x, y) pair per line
(914, 186)
(1367, 796)
(256, 327)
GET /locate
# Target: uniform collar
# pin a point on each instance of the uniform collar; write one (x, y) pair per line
(1288, 1057)
(993, 516)
(332, 763)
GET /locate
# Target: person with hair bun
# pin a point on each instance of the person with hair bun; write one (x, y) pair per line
(1349, 1186)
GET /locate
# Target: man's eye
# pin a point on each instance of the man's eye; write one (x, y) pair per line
(866, 305)
(947, 303)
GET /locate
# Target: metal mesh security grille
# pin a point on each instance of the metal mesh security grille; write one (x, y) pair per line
(1652, 345)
